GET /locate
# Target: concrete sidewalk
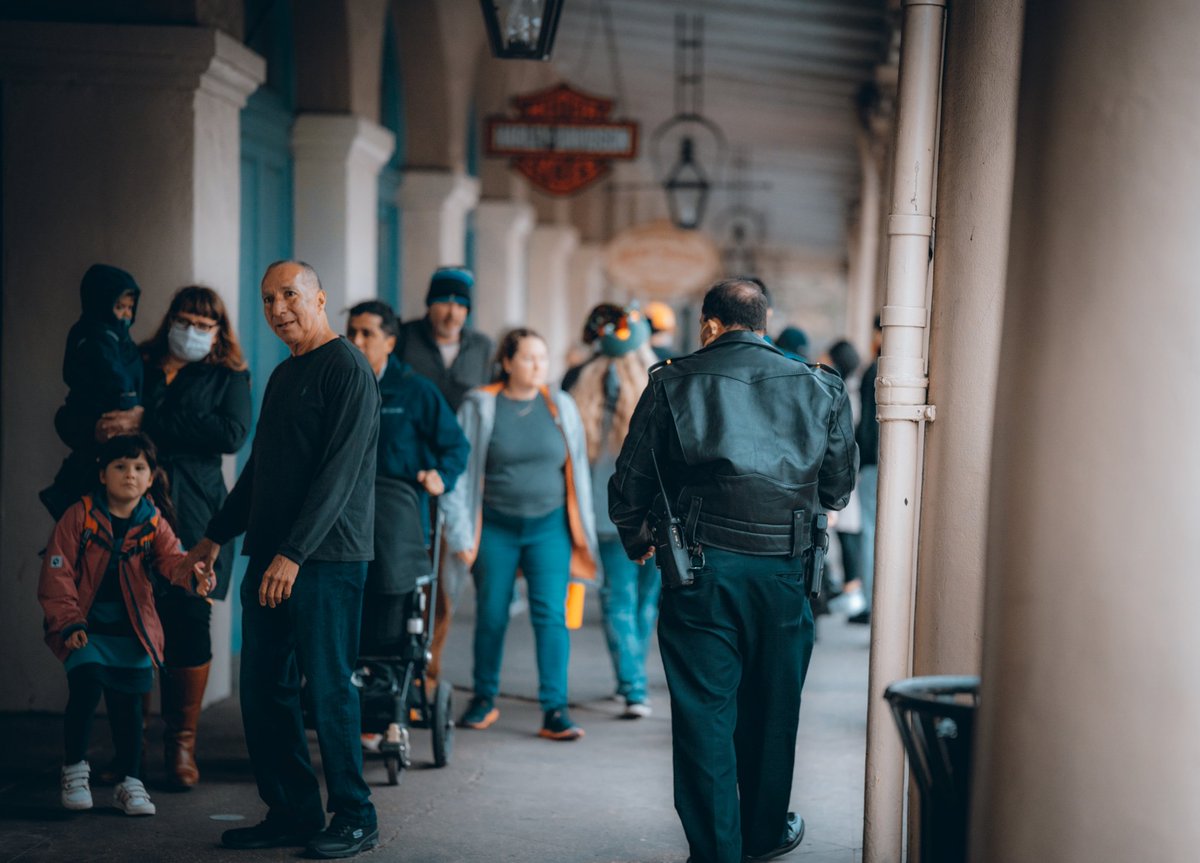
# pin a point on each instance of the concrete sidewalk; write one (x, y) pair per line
(507, 795)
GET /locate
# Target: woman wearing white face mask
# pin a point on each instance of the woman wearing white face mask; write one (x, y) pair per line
(197, 398)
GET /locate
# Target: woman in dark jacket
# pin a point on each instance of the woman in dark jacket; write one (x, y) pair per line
(197, 400)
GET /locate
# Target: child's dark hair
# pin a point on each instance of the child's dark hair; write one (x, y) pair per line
(132, 446)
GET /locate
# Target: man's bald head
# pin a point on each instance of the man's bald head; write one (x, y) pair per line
(306, 277)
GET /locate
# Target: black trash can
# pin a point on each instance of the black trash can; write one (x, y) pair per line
(936, 718)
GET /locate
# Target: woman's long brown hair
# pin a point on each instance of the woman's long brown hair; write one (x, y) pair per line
(207, 303)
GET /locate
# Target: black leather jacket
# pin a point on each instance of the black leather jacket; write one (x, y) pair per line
(749, 442)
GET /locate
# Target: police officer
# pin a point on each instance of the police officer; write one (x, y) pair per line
(752, 445)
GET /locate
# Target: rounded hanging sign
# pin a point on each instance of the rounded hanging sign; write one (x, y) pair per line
(660, 261)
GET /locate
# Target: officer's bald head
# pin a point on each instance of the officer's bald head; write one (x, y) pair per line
(738, 304)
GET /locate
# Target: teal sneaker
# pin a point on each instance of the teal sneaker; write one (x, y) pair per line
(480, 713)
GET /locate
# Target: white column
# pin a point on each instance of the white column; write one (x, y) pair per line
(502, 231)
(435, 206)
(1086, 745)
(120, 146)
(338, 158)
(550, 250)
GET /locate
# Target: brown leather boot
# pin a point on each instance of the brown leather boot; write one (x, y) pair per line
(182, 692)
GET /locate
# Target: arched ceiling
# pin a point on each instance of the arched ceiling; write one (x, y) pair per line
(780, 79)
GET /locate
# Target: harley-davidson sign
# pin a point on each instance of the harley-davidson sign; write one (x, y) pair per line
(563, 140)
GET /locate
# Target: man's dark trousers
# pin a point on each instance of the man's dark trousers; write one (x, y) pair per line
(315, 634)
(735, 647)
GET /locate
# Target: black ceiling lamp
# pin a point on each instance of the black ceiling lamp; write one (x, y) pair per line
(521, 29)
(687, 188)
(687, 183)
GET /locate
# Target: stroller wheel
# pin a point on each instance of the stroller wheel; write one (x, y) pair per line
(395, 753)
(442, 725)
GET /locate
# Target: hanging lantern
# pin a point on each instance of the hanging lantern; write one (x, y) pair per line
(521, 29)
(686, 183)
(687, 188)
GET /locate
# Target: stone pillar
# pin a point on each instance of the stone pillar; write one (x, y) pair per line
(1086, 742)
(502, 231)
(120, 145)
(978, 135)
(435, 205)
(338, 158)
(550, 250)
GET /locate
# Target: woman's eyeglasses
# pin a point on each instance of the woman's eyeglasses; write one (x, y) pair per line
(204, 325)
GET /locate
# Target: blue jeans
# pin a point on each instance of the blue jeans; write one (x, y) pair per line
(541, 548)
(868, 483)
(629, 599)
(314, 634)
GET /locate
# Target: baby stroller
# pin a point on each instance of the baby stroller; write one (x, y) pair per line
(399, 605)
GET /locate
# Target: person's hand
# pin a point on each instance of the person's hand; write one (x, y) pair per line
(198, 565)
(115, 423)
(76, 640)
(431, 481)
(206, 579)
(277, 581)
(645, 557)
(833, 519)
(465, 556)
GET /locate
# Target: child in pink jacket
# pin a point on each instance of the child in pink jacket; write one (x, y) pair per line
(97, 593)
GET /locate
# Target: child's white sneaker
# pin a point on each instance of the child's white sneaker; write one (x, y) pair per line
(131, 798)
(76, 794)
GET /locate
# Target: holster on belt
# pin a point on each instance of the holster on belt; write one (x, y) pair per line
(820, 546)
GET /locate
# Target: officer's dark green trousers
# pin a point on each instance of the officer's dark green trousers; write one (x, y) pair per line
(735, 647)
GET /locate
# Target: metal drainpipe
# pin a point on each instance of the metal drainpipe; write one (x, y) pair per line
(901, 389)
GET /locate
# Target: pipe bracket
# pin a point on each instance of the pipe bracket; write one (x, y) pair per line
(905, 413)
(903, 316)
(910, 225)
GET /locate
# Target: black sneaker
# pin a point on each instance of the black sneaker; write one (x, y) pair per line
(267, 834)
(557, 725)
(480, 713)
(342, 839)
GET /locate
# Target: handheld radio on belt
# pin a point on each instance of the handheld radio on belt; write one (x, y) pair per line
(671, 553)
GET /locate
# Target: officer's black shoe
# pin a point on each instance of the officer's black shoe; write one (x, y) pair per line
(267, 834)
(793, 836)
(342, 838)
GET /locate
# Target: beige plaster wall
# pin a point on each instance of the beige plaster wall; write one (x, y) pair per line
(1086, 742)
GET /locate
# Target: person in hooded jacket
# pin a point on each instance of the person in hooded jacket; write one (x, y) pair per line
(103, 373)
(197, 409)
